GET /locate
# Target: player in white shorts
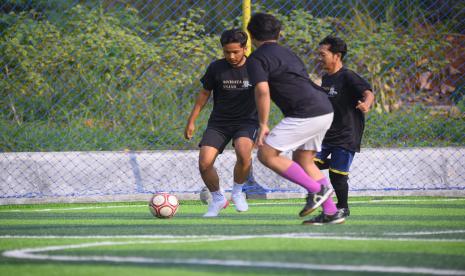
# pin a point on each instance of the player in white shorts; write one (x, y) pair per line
(299, 133)
(278, 74)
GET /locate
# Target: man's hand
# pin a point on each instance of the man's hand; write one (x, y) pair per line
(368, 99)
(262, 133)
(189, 131)
(263, 101)
(362, 106)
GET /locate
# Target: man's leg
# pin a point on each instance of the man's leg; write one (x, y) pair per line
(207, 157)
(270, 157)
(341, 187)
(292, 171)
(210, 177)
(341, 160)
(321, 159)
(305, 159)
(243, 147)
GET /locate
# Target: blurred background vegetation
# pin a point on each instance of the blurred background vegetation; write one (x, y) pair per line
(115, 75)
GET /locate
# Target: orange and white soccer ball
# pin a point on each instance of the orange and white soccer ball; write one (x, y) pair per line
(163, 205)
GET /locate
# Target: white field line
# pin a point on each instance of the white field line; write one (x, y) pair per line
(425, 233)
(74, 208)
(408, 200)
(250, 204)
(346, 236)
(32, 254)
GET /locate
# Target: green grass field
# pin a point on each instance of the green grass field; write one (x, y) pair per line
(383, 236)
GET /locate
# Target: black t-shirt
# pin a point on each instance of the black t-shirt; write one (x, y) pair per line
(233, 96)
(345, 88)
(290, 86)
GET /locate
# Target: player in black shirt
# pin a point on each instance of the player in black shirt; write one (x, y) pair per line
(351, 97)
(278, 74)
(234, 116)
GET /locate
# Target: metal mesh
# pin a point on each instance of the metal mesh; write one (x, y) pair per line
(94, 95)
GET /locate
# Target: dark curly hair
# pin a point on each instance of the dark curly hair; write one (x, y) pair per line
(234, 36)
(336, 45)
(264, 27)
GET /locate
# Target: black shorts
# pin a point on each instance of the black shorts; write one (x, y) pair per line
(219, 137)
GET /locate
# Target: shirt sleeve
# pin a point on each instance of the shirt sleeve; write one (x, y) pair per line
(208, 79)
(256, 71)
(358, 84)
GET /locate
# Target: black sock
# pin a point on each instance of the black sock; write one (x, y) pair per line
(341, 187)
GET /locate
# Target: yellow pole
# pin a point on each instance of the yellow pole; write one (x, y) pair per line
(246, 13)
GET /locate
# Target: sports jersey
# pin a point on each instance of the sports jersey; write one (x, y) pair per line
(290, 86)
(233, 98)
(345, 88)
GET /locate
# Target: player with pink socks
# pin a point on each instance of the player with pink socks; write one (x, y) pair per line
(278, 74)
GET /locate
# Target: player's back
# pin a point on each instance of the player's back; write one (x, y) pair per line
(290, 86)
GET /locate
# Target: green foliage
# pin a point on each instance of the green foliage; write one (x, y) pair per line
(458, 97)
(302, 32)
(83, 66)
(99, 80)
(415, 127)
(387, 56)
(95, 78)
(186, 49)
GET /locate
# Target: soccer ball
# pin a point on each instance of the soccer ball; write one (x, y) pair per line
(163, 205)
(205, 195)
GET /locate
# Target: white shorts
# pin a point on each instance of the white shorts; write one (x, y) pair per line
(299, 133)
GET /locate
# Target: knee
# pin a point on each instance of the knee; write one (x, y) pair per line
(205, 166)
(322, 165)
(244, 162)
(338, 180)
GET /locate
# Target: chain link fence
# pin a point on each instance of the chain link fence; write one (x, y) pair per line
(94, 95)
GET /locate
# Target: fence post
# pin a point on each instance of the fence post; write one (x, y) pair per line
(246, 11)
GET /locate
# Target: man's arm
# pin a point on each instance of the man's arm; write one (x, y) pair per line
(200, 102)
(262, 100)
(368, 99)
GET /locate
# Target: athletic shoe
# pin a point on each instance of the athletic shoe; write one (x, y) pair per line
(239, 202)
(314, 200)
(322, 218)
(345, 211)
(214, 208)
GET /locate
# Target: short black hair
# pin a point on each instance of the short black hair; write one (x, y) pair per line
(234, 36)
(336, 45)
(264, 27)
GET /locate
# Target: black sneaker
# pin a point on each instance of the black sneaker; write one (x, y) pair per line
(345, 211)
(314, 200)
(322, 218)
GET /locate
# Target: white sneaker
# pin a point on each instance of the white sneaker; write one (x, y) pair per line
(214, 208)
(239, 202)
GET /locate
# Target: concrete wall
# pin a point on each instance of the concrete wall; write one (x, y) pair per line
(114, 176)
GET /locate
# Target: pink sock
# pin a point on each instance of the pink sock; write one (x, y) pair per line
(296, 174)
(329, 207)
